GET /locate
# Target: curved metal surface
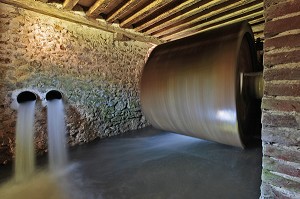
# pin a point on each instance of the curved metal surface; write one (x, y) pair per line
(193, 86)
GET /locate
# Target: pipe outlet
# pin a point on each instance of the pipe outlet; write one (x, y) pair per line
(26, 96)
(53, 94)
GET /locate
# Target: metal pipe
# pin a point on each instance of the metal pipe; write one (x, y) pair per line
(253, 84)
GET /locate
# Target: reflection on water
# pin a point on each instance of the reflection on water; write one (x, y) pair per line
(154, 164)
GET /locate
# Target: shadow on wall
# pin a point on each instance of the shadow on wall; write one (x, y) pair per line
(76, 126)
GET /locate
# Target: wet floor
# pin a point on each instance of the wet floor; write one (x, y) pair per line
(151, 164)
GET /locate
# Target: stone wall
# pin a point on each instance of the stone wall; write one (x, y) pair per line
(281, 101)
(99, 77)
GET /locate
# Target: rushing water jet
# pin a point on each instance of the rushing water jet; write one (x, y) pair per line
(52, 184)
(56, 131)
(25, 161)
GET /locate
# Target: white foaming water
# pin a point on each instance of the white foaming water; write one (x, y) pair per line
(53, 184)
(44, 184)
(25, 161)
(56, 135)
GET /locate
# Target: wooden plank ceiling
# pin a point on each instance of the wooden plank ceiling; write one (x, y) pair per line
(173, 19)
(168, 20)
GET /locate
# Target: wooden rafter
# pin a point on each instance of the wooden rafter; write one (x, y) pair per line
(216, 24)
(210, 14)
(168, 13)
(258, 20)
(196, 5)
(127, 7)
(258, 28)
(144, 12)
(232, 16)
(162, 19)
(97, 8)
(206, 5)
(196, 15)
(69, 4)
(259, 35)
(46, 9)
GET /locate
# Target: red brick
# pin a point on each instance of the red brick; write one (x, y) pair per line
(285, 120)
(290, 154)
(268, 3)
(272, 164)
(280, 105)
(292, 89)
(273, 28)
(282, 73)
(280, 182)
(281, 9)
(281, 58)
(281, 195)
(266, 190)
(284, 136)
(291, 41)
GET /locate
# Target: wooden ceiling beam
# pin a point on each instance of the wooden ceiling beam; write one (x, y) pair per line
(52, 11)
(212, 14)
(197, 15)
(259, 35)
(213, 25)
(97, 8)
(258, 20)
(174, 15)
(206, 5)
(126, 8)
(220, 19)
(69, 4)
(166, 14)
(144, 12)
(258, 28)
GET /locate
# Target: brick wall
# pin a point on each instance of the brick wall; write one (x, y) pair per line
(98, 76)
(281, 101)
